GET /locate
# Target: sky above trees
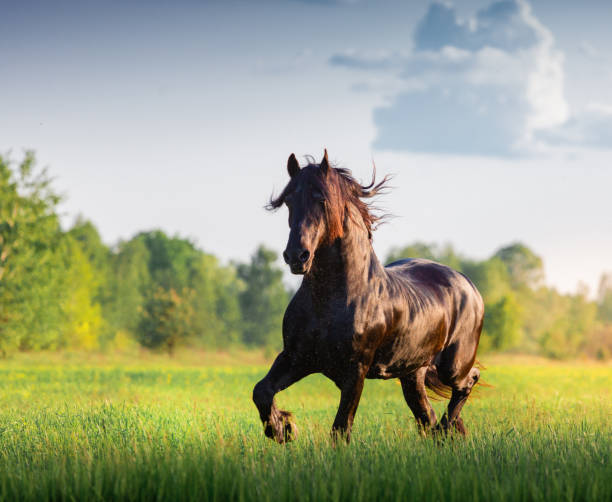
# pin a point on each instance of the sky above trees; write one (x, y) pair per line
(496, 117)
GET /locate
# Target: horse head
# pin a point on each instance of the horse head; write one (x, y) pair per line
(322, 200)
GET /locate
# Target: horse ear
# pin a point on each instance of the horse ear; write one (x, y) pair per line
(293, 166)
(325, 163)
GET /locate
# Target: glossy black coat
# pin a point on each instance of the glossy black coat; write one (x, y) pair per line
(352, 318)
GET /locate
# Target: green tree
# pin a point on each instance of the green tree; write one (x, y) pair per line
(447, 256)
(525, 268)
(31, 265)
(167, 319)
(171, 259)
(263, 299)
(442, 254)
(97, 253)
(502, 324)
(83, 322)
(565, 322)
(604, 298)
(216, 303)
(144, 265)
(415, 250)
(175, 263)
(152, 261)
(128, 287)
(490, 277)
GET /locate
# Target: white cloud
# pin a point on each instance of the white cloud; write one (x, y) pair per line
(506, 25)
(491, 84)
(545, 81)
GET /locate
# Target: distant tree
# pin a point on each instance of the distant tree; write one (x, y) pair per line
(263, 299)
(490, 277)
(130, 284)
(148, 263)
(31, 266)
(447, 255)
(167, 319)
(598, 342)
(443, 254)
(570, 319)
(175, 263)
(502, 325)
(216, 302)
(415, 250)
(87, 236)
(83, 322)
(604, 298)
(171, 259)
(525, 268)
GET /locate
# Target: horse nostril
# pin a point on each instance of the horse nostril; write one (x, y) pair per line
(286, 257)
(304, 256)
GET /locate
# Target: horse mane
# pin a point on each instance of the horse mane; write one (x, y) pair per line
(341, 191)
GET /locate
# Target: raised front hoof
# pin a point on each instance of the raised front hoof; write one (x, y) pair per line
(284, 428)
(459, 427)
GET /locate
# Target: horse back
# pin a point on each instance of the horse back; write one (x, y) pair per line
(427, 281)
(444, 312)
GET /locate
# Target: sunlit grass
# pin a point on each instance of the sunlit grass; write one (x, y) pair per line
(153, 429)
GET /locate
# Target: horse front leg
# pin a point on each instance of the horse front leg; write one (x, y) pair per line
(350, 394)
(278, 424)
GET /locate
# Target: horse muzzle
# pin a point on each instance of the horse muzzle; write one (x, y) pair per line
(298, 260)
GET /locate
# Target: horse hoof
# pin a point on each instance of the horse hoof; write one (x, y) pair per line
(459, 427)
(289, 428)
(443, 430)
(284, 430)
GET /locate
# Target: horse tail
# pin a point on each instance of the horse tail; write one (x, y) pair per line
(440, 390)
(481, 382)
(435, 385)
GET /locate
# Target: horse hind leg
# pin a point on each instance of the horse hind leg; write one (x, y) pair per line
(460, 393)
(415, 395)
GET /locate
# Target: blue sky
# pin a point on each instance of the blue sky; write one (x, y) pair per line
(496, 117)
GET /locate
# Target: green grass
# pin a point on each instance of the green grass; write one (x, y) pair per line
(82, 429)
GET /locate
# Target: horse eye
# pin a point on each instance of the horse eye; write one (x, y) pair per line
(318, 196)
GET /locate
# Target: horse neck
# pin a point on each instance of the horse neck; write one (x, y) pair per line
(345, 267)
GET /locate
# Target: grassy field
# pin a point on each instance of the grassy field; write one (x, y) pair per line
(124, 428)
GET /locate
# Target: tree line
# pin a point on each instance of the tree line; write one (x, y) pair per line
(65, 288)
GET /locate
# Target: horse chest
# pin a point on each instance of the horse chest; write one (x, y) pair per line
(331, 332)
(345, 332)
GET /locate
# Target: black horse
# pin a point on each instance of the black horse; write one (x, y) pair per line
(352, 318)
